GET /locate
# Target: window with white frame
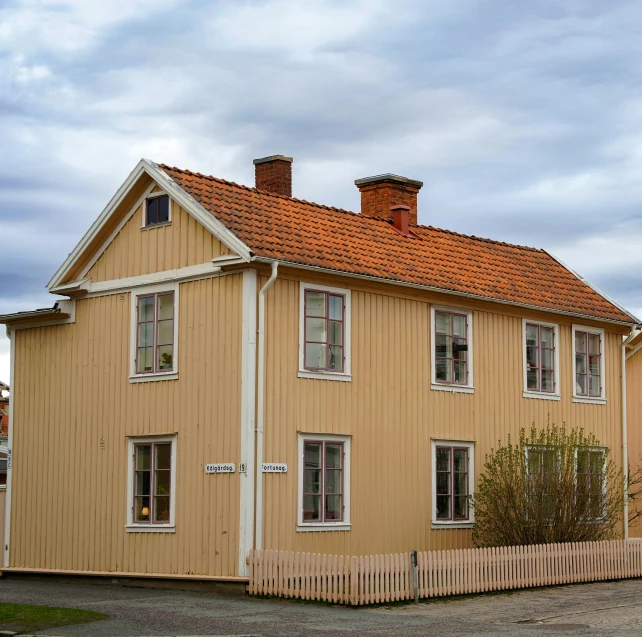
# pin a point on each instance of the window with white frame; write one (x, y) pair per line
(324, 347)
(151, 483)
(591, 483)
(541, 359)
(154, 333)
(588, 363)
(452, 354)
(156, 210)
(452, 482)
(324, 482)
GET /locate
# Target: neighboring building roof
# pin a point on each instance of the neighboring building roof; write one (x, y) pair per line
(299, 232)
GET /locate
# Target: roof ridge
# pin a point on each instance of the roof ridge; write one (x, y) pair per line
(484, 239)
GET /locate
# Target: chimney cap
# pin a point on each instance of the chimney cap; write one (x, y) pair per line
(389, 178)
(264, 160)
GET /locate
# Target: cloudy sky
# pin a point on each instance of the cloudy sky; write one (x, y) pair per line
(523, 119)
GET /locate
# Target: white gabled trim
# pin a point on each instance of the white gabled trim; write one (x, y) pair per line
(469, 387)
(175, 192)
(601, 399)
(593, 287)
(12, 401)
(556, 376)
(248, 407)
(79, 285)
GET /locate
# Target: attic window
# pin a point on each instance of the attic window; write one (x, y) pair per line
(156, 210)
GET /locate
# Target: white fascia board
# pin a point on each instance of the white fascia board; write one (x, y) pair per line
(176, 193)
(198, 211)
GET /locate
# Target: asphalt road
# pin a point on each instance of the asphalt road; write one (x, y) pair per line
(593, 609)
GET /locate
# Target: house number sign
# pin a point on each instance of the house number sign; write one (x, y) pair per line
(225, 467)
(274, 467)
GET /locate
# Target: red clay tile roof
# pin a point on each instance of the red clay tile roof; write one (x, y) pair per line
(296, 231)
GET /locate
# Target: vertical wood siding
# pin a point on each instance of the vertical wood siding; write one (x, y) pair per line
(634, 426)
(134, 251)
(391, 413)
(73, 411)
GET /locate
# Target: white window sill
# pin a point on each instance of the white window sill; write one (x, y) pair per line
(150, 528)
(454, 389)
(341, 526)
(325, 375)
(156, 225)
(145, 378)
(452, 525)
(589, 401)
(541, 395)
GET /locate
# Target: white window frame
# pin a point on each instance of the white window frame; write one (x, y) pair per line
(469, 388)
(604, 452)
(344, 525)
(556, 395)
(144, 291)
(155, 195)
(595, 400)
(131, 526)
(461, 444)
(346, 374)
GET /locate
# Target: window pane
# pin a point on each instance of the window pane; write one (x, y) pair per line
(597, 461)
(163, 458)
(333, 455)
(460, 460)
(333, 481)
(146, 309)
(532, 335)
(336, 332)
(145, 334)
(143, 455)
(336, 358)
(461, 507)
(443, 507)
(152, 211)
(459, 326)
(531, 380)
(314, 304)
(459, 349)
(165, 357)
(594, 364)
(165, 332)
(312, 456)
(580, 342)
(165, 306)
(547, 358)
(315, 355)
(315, 330)
(162, 483)
(141, 509)
(443, 459)
(443, 346)
(532, 356)
(145, 360)
(582, 461)
(443, 370)
(163, 209)
(547, 381)
(594, 344)
(143, 480)
(461, 484)
(312, 481)
(161, 509)
(443, 483)
(580, 363)
(311, 507)
(443, 322)
(547, 337)
(460, 372)
(333, 507)
(595, 388)
(580, 385)
(336, 307)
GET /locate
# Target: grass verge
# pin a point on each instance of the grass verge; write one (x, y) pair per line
(23, 618)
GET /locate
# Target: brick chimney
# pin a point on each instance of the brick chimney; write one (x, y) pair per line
(274, 174)
(380, 194)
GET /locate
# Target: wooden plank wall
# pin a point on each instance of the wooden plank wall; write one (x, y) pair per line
(634, 429)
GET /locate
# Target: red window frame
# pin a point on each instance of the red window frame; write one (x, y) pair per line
(451, 481)
(452, 338)
(323, 482)
(327, 295)
(155, 344)
(539, 368)
(152, 495)
(587, 364)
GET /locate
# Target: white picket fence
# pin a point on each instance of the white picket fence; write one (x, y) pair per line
(377, 579)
